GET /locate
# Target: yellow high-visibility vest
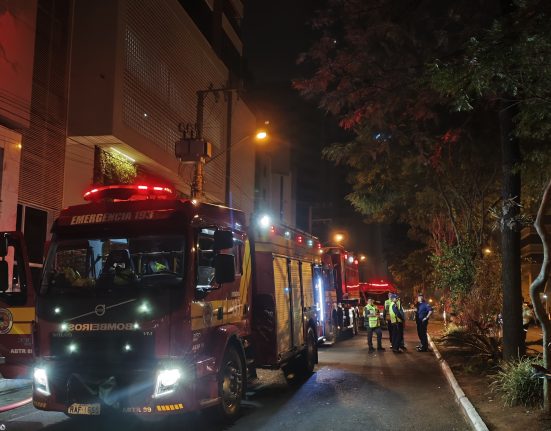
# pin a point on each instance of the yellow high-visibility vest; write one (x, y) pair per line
(393, 317)
(371, 313)
(388, 305)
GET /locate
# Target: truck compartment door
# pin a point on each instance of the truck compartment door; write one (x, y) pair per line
(282, 303)
(16, 306)
(296, 303)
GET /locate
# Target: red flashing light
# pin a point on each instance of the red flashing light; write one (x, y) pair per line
(300, 239)
(356, 262)
(273, 229)
(126, 191)
(346, 257)
(378, 284)
(318, 245)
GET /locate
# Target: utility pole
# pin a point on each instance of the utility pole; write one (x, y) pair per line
(196, 149)
(197, 183)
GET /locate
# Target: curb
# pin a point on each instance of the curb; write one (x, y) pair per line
(12, 385)
(468, 409)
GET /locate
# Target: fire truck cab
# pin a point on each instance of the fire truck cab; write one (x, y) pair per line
(150, 304)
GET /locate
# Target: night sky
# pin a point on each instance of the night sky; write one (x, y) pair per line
(274, 34)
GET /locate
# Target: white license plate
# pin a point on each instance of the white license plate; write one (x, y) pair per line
(84, 409)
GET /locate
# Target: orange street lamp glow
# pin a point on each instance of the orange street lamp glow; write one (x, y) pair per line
(487, 251)
(339, 237)
(362, 258)
(261, 135)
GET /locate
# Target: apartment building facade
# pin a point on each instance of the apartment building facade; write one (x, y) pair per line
(86, 81)
(133, 86)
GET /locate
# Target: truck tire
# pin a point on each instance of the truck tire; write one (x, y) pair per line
(302, 367)
(310, 357)
(230, 385)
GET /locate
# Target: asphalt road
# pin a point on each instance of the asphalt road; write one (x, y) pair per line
(350, 390)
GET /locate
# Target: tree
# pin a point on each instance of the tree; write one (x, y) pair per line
(508, 66)
(392, 79)
(370, 62)
(538, 287)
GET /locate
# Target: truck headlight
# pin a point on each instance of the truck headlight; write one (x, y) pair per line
(41, 381)
(167, 380)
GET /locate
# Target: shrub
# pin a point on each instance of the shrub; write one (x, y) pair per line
(516, 384)
(478, 309)
(485, 346)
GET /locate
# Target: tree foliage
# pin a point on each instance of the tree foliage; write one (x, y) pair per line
(411, 156)
(454, 269)
(422, 91)
(511, 57)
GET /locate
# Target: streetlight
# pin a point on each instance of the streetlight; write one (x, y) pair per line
(339, 237)
(362, 258)
(193, 148)
(183, 147)
(259, 136)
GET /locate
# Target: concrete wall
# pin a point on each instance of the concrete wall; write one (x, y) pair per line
(17, 34)
(10, 142)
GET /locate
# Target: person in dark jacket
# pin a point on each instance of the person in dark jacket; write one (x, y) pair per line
(424, 311)
(396, 320)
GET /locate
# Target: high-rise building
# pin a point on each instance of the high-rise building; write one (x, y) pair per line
(17, 38)
(134, 83)
(100, 90)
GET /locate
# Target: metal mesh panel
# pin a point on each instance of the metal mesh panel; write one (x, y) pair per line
(159, 91)
(282, 305)
(43, 153)
(298, 335)
(307, 286)
(160, 85)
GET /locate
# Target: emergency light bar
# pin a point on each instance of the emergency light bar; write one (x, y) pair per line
(126, 191)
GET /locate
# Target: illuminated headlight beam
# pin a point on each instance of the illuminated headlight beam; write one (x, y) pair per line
(41, 381)
(167, 381)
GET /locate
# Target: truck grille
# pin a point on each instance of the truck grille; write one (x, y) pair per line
(114, 347)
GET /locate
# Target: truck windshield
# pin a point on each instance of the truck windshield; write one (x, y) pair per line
(104, 264)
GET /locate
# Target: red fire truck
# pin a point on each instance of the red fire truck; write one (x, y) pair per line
(347, 287)
(150, 304)
(377, 289)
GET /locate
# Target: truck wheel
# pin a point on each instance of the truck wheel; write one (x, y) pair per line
(311, 353)
(230, 385)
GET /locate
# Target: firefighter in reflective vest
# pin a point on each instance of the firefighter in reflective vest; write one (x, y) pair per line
(386, 317)
(396, 322)
(373, 324)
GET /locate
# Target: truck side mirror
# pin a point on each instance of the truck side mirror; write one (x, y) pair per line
(4, 275)
(223, 239)
(224, 268)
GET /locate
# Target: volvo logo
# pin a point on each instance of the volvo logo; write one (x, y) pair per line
(100, 309)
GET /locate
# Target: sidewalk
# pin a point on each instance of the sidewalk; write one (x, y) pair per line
(534, 340)
(12, 385)
(476, 385)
